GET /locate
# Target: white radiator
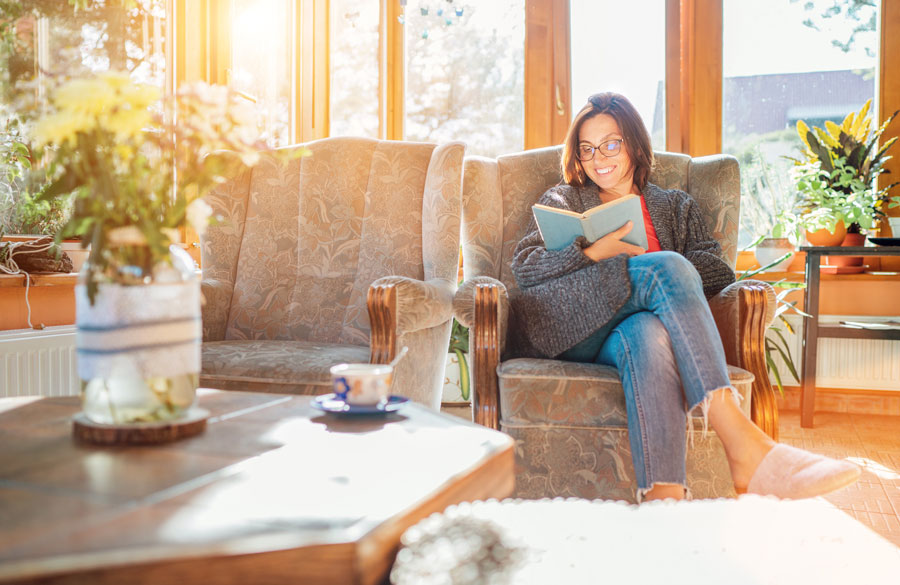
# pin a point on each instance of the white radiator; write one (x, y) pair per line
(869, 364)
(38, 362)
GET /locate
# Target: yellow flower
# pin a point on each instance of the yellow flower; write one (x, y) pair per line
(125, 123)
(124, 152)
(89, 96)
(62, 127)
(114, 80)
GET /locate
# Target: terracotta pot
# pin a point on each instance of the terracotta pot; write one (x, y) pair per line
(849, 240)
(825, 238)
(771, 249)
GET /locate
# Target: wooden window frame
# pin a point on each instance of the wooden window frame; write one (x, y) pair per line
(203, 44)
(888, 90)
(693, 68)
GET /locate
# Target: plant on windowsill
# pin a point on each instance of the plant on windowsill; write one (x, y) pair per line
(836, 179)
(769, 212)
(27, 223)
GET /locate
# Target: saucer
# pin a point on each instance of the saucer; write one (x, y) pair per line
(885, 241)
(331, 403)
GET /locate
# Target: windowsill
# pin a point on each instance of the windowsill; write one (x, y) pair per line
(44, 279)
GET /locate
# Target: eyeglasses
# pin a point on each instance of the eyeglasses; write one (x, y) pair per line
(609, 148)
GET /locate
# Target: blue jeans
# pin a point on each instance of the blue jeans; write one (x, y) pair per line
(670, 357)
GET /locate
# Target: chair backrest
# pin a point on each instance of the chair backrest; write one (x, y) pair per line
(498, 195)
(302, 241)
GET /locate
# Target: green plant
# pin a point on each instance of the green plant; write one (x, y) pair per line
(776, 346)
(459, 345)
(24, 213)
(837, 178)
(767, 200)
(21, 185)
(828, 197)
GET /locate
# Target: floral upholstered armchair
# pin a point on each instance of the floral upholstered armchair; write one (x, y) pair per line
(569, 419)
(341, 256)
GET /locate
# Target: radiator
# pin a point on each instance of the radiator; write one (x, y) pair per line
(44, 363)
(865, 364)
(38, 362)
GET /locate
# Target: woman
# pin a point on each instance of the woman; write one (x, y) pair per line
(646, 313)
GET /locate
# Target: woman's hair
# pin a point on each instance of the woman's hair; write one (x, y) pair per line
(637, 140)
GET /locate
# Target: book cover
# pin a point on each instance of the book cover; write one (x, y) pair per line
(560, 227)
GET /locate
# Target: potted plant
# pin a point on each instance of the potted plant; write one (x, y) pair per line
(137, 165)
(836, 179)
(776, 346)
(457, 383)
(770, 205)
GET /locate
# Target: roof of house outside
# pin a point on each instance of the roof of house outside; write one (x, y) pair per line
(759, 104)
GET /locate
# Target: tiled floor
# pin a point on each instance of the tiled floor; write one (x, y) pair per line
(872, 441)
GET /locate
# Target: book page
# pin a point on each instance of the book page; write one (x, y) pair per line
(603, 219)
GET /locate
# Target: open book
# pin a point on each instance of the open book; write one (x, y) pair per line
(560, 227)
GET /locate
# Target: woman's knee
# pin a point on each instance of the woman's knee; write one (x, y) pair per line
(672, 267)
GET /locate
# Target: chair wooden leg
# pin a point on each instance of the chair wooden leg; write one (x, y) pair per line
(752, 313)
(486, 348)
(381, 302)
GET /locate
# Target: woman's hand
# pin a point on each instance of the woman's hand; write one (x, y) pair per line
(612, 245)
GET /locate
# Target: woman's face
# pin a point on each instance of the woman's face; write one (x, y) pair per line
(614, 174)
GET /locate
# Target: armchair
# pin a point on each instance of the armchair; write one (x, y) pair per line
(341, 256)
(569, 419)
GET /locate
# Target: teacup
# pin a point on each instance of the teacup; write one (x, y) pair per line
(362, 384)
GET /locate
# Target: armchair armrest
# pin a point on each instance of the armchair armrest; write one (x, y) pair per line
(743, 312)
(482, 304)
(216, 302)
(399, 305)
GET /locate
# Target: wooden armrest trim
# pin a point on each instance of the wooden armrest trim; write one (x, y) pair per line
(753, 303)
(381, 302)
(486, 350)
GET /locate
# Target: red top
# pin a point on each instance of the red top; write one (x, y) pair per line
(652, 240)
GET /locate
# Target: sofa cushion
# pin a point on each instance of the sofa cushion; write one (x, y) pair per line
(274, 366)
(571, 394)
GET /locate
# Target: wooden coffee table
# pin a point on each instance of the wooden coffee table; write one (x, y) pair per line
(272, 492)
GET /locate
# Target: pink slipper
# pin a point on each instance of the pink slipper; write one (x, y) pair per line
(791, 473)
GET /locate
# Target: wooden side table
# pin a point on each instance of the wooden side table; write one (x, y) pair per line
(812, 331)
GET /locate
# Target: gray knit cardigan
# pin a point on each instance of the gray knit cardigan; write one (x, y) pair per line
(564, 296)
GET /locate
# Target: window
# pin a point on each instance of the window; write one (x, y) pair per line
(45, 42)
(261, 63)
(354, 92)
(621, 47)
(465, 73)
(815, 62)
(55, 40)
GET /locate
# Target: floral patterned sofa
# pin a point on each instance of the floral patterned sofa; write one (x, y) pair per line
(344, 255)
(568, 419)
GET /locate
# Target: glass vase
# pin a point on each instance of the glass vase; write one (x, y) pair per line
(138, 342)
